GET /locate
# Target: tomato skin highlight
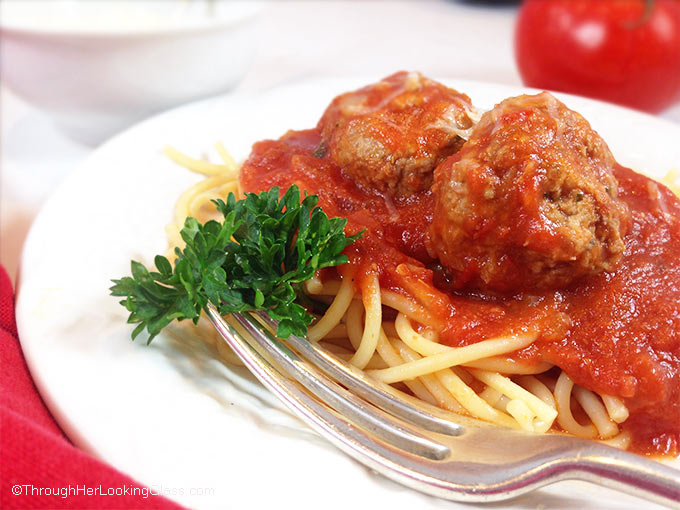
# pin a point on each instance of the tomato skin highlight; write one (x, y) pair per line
(614, 50)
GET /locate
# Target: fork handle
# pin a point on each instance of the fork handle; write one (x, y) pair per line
(629, 473)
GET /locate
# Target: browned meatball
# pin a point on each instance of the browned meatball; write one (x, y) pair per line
(530, 201)
(390, 136)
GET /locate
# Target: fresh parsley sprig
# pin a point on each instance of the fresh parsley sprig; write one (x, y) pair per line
(256, 259)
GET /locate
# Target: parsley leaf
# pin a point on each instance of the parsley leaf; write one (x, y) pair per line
(256, 259)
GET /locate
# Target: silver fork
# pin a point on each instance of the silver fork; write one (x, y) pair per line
(444, 455)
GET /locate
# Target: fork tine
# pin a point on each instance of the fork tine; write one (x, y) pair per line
(372, 390)
(352, 440)
(484, 464)
(355, 410)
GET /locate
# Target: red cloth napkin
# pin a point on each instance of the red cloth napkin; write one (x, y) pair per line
(39, 467)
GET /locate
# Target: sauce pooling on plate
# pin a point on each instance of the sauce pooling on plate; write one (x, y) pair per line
(613, 325)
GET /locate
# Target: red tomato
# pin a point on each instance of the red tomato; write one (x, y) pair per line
(622, 51)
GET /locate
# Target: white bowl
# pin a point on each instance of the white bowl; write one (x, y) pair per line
(97, 67)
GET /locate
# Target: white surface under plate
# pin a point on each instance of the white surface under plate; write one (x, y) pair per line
(170, 414)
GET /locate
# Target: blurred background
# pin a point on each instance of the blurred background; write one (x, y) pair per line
(75, 72)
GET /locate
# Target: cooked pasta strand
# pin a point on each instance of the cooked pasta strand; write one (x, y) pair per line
(392, 358)
(545, 415)
(443, 397)
(563, 390)
(622, 441)
(533, 385)
(229, 161)
(509, 366)
(199, 165)
(407, 307)
(369, 340)
(334, 314)
(353, 319)
(617, 410)
(425, 346)
(596, 411)
(453, 357)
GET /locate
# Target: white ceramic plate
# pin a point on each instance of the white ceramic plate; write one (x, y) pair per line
(169, 414)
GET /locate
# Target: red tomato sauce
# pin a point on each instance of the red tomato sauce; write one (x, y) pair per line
(614, 333)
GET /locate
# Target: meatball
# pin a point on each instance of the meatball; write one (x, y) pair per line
(388, 137)
(529, 202)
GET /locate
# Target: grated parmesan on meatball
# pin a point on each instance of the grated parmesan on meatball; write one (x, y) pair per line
(529, 202)
(388, 137)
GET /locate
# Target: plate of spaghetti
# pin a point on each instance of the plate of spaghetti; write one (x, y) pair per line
(511, 256)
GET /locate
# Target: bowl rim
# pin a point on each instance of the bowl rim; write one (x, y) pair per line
(248, 9)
